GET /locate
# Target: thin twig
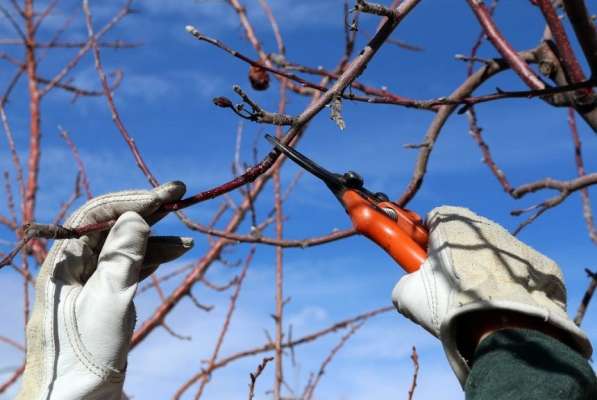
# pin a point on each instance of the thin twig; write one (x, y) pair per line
(80, 166)
(269, 346)
(444, 112)
(13, 343)
(123, 12)
(258, 371)
(110, 99)
(584, 304)
(69, 202)
(415, 358)
(580, 169)
(12, 379)
(310, 389)
(220, 340)
(16, 161)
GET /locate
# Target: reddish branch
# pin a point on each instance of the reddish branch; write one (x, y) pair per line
(275, 27)
(12, 343)
(516, 62)
(584, 28)
(80, 166)
(109, 98)
(16, 161)
(476, 133)
(478, 42)
(279, 284)
(123, 12)
(69, 202)
(35, 118)
(12, 379)
(580, 168)
(248, 28)
(568, 59)
(355, 68)
(380, 96)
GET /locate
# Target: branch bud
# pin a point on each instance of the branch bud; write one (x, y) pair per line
(223, 102)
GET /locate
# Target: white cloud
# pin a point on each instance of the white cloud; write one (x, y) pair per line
(147, 87)
(308, 316)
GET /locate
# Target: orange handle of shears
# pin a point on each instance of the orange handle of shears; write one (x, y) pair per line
(404, 239)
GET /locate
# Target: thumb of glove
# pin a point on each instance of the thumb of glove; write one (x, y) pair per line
(422, 296)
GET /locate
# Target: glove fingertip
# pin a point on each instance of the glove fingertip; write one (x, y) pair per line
(171, 191)
(163, 249)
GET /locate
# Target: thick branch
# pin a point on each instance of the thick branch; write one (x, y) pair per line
(433, 131)
(562, 186)
(568, 58)
(516, 62)
(584, 28)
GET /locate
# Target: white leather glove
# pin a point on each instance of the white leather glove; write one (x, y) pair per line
(475, 265)
(83, 318)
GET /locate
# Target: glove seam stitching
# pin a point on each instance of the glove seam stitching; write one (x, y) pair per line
(105, 373)
(76, 219)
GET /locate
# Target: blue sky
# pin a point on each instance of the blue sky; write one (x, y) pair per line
(165, 101)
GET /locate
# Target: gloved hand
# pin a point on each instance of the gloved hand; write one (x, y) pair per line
(83, 318)
(477, 271)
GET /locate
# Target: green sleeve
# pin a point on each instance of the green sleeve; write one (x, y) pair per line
(525, 364)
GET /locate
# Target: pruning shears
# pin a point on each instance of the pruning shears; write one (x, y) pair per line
(400, 232)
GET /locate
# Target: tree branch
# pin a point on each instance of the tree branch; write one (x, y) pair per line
(584, 28)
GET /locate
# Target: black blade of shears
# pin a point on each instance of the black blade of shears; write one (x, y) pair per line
(333, 181)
